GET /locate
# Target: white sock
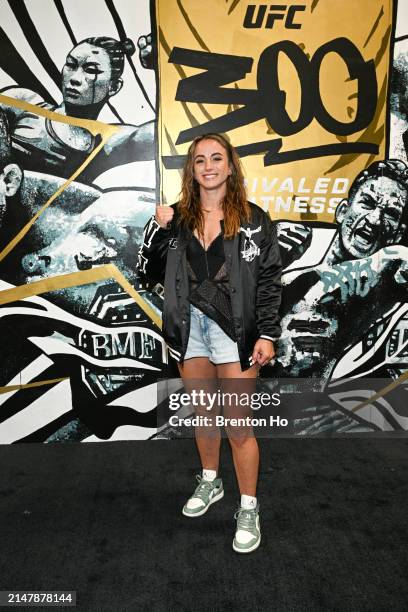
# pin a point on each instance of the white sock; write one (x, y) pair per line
(248, 502)
(209, 475)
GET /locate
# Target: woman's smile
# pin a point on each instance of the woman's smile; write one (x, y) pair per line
(211, 165)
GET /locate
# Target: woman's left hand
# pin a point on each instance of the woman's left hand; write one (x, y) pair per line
(263, 351)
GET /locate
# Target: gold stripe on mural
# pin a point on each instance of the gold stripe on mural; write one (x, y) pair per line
(53, 283)
(38, 383)
(74, 279)
(14, 241)
(124, 283)
(95, 127)
(382, 392)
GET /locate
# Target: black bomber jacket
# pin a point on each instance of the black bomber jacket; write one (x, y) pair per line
(254, 266)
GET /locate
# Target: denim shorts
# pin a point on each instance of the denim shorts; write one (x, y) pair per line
(207, 339)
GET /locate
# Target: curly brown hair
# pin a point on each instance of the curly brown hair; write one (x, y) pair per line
(235, 205)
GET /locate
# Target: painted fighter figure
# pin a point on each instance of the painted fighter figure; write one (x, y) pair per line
(330, 306)
(92, 74)
(103, 227)
(219, 256)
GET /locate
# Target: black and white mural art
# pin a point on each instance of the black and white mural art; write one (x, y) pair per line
(80, 174)
(100, 350)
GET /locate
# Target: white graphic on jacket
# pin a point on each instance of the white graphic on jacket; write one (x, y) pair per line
(251, 250)
(148, 234)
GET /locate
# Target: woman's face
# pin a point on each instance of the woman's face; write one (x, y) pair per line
(211, 165)
(86, 76)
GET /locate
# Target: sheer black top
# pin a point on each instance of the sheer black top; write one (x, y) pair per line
(208, 277)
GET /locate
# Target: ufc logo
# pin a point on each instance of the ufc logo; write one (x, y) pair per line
(258, 17)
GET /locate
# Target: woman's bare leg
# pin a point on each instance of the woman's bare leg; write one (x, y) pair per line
(245, 451)
(208, 438)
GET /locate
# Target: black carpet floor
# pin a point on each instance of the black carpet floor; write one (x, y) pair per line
(104, 520)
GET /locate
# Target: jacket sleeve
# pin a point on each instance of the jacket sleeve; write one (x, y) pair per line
(269, 286)
(152, 258)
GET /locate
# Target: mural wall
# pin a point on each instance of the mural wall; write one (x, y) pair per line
(98, 104)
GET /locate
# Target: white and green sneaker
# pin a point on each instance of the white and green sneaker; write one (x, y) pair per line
(207, 493)
(248, 533)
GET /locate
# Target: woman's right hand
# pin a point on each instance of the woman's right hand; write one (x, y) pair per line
(163, 215)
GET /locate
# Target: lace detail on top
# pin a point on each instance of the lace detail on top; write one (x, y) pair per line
(210, 295)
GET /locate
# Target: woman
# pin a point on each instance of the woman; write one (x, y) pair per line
(221, 298)
(92, 74)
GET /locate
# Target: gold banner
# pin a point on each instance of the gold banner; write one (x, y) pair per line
(301, 90)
